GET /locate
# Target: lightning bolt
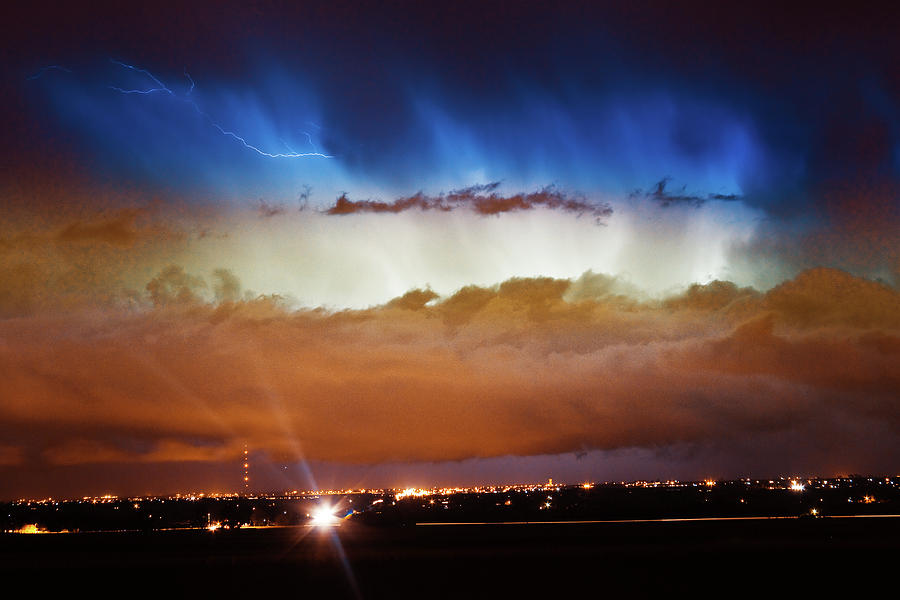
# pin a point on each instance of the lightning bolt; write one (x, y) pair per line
(160, 88)
(232, 134)
(226, 132)
(188, 75)
(311, 143)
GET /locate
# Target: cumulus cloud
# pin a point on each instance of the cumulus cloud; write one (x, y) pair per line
(531, 366)
(173, 285)
(413, 300)
(480, 199)
(56, 260)
(307, 255)
(227, 287)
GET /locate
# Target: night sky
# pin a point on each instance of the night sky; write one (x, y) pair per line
(412, 244)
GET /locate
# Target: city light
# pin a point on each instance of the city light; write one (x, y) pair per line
(413, 492)
(30, 528)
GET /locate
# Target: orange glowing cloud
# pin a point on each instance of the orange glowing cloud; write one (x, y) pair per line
(512, 369)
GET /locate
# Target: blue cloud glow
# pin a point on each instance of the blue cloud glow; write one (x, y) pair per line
(269, 132)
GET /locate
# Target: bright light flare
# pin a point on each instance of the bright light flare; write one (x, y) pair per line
(796, 486)
(324, 516)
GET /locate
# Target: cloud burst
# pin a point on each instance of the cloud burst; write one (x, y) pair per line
(119, 352)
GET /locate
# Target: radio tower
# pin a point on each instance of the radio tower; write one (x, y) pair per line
(246, 472)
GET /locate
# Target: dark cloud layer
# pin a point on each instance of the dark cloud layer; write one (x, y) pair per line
(665, 197)
(480, 199)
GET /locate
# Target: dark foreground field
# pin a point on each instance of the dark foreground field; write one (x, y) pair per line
(783, 557)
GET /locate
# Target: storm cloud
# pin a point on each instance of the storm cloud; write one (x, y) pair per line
(512, 369)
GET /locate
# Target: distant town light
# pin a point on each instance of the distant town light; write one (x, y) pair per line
(413, 492)
(31, 528)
